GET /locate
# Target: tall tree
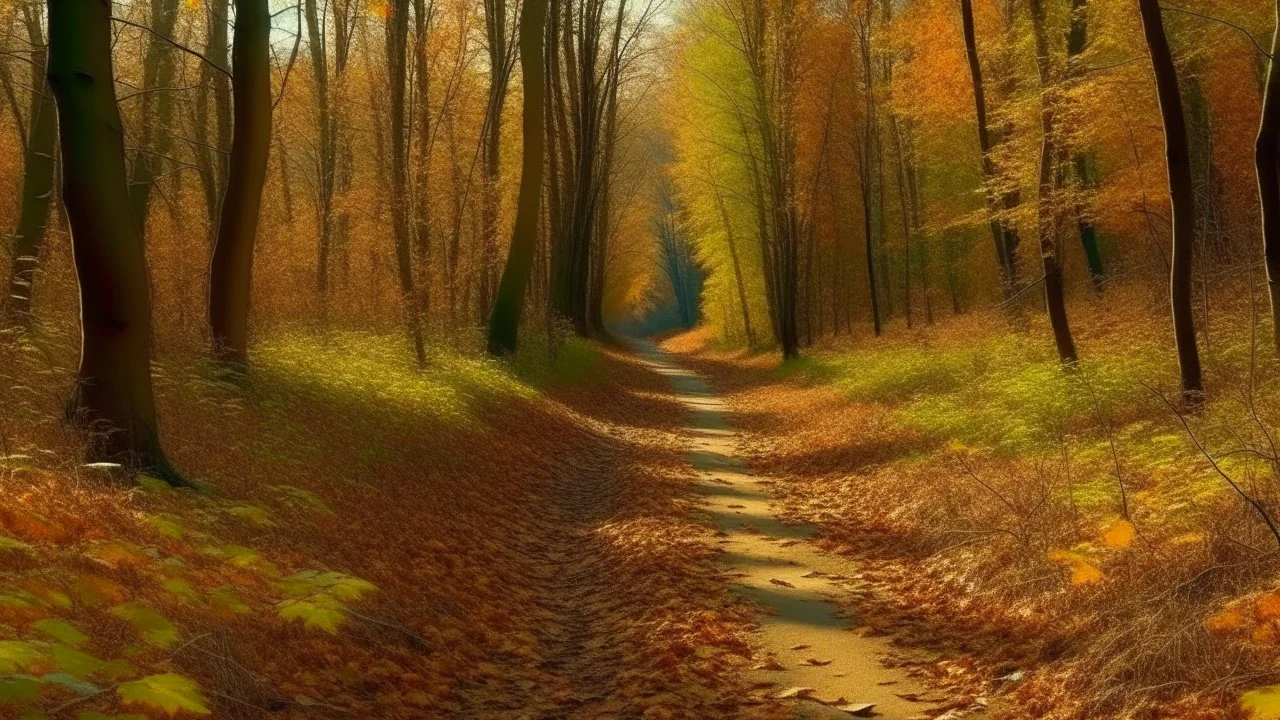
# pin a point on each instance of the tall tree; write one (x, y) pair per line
(231, 269)
(37, 179)
(866, 153)
(499, 46)
(113, 400)
(1267, 149)
(1054, 292)
(1004, 232)
(329, 176)
(397, 69)
(1182, 197)
(504, 321)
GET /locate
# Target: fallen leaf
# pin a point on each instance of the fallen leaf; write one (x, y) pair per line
(783, 583)
(794, 692)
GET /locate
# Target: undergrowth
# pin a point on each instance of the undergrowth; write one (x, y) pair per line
(1106, 544)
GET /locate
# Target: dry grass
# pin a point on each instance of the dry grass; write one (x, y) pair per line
(981, 487)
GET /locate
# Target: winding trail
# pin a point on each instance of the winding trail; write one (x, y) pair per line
(819, 653)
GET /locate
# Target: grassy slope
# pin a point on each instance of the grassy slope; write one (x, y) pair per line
(368, 543)
(979, 484)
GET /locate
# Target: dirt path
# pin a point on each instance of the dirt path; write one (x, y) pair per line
(814, 645)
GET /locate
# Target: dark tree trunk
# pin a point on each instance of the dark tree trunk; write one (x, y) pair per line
(1182, 196)
(1054, 295)
(504, 322)
(113, 400)
(1268, 165)
(423, 15)
(397, 68)
(37, 185)
(1003, 233)
(326, 150)
(231, 268)
(495, 23)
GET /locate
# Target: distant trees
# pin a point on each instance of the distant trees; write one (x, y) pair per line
(113, 399)
(677, 255)
(156, 116)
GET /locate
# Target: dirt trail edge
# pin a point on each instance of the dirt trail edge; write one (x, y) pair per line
(821, 656)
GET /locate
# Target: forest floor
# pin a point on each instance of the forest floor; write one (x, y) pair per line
(939, 524)
(1039, 543)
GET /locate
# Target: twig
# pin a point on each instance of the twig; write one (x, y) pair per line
(175, 44)
(1266, 517)
(1229, 24)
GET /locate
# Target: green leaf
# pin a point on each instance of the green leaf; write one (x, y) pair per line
(1263, 703)
(226, 602)
(179, 587)
(253, 513)
(8, 543)
(74, 684)
(18, 689)
(321, 612)
(167, 525)
(153, 626)
(169, 692)
(152, 484)
(16, 655)
(73, 662)
(61, 630)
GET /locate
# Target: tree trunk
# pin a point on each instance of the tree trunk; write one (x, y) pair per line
(113, 401)
(495, 23)
(397, 62)
(1054, 295)
(504, 322)
(326, 150)
(1004, 234)
(37, 185)
(1182, 196)
(1268, 166)
(739, 282)
(231, 268)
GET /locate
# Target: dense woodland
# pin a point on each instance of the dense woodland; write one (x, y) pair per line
(203, 197)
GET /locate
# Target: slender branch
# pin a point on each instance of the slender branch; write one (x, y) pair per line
(176, 45)
(1229, 24)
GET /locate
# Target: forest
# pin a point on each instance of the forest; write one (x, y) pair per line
(652, 359)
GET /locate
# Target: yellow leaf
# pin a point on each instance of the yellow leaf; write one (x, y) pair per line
(169, 692)
(1263, 703)
(1225, 622)
(1119, 535)
(1082, 573)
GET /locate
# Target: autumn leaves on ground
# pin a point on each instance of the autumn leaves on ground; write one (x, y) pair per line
(526, 541)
